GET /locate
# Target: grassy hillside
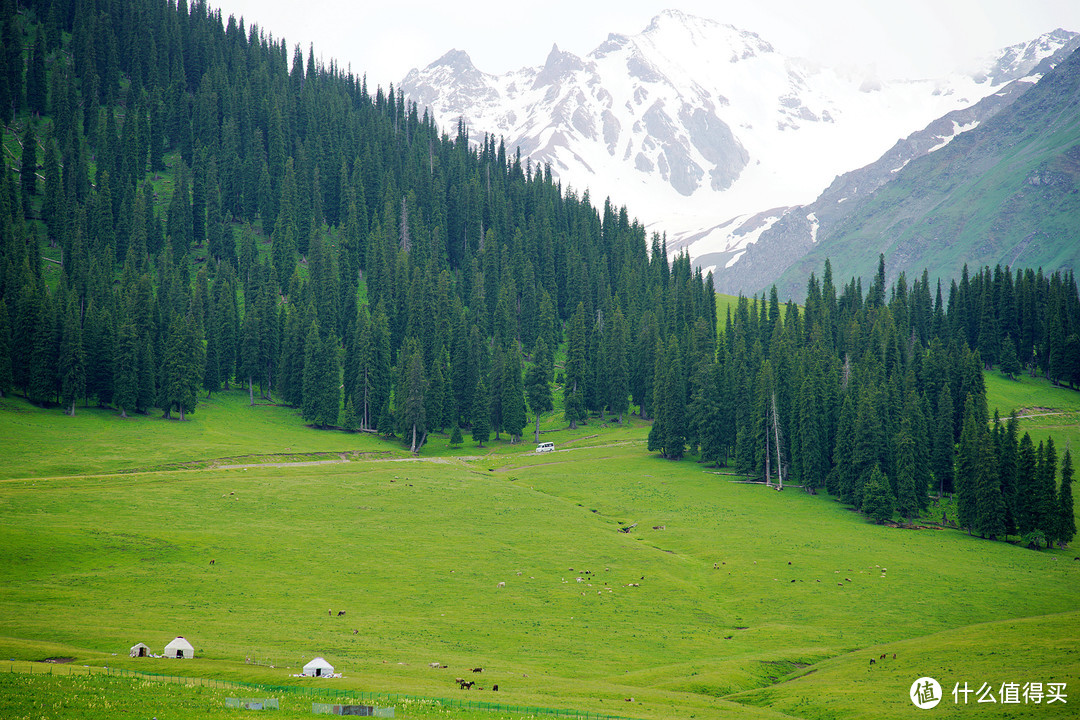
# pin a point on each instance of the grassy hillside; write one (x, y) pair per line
(1044, 410)
(724, 600)
(1004, 193)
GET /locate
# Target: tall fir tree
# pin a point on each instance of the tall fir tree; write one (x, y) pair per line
(513, 398)
(969, 455)
(989, 503)
(126, 368)
(538, 384)
(574, 385)
(1065, 529)
(72, 359)
(1026, 473)
(878, 501)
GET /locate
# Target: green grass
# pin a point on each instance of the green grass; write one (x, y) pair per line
(103, 544)
(1044, 410)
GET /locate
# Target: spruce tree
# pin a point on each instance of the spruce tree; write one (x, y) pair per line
(1009, 363)
(126, 369)
(411, 403)
(841, 479)
(669, 431)
(989, 503)
(1008, 465)
(538, 384)
(36, 86)
(211, 378)
(250, 368)
(99, 341)
(72, 359)
(42, 356)
(435, 399)
(6, 376)
(315, 369)
(574, 386)
(1065, 530)
(481, 415)
(707, 413)
(968, 457)
(906, 501)
(181, 367)
(877, 497)
(513, 399)
(1045, 492)
(616, 367)
(1027, 468)
(869, 443)
(147, 380)
(350, 421)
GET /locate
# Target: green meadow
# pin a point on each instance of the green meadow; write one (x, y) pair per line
(722, 600)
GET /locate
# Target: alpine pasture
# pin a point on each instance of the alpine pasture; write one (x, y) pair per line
(723, 599)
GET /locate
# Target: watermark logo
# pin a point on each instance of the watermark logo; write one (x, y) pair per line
(925, 693)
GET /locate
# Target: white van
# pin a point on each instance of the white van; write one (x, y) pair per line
(545, 447)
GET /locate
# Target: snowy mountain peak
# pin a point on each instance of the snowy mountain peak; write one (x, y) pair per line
(456, 60)
(558, 65)
(1023, 59)
(691, 122)
(674, 28)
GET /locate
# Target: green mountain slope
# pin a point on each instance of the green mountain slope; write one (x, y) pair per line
(1007, 192)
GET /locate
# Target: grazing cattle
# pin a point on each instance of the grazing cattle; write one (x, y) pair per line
(355, 632)
(788, 562)
(882, 656)
(478, 669)
(211, 562)
(871, 661)
(894, 656)
(340, 613)
(502, 584)
(494, 688)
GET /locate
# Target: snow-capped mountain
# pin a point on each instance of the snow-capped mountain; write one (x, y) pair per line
(692, 123)
(750, 252)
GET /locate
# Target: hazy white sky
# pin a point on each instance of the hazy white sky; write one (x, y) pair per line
(904, 38)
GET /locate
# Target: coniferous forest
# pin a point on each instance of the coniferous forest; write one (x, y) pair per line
(189, 205)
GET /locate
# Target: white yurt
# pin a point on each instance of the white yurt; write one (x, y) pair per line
(179, 648)
(318, 668)
(140, 650)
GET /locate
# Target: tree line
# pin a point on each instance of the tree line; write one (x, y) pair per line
(879, 397)
(187, 210)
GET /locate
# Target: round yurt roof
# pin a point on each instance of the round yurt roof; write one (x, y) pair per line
(137, 646)
(179, 643)
(320, 663)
